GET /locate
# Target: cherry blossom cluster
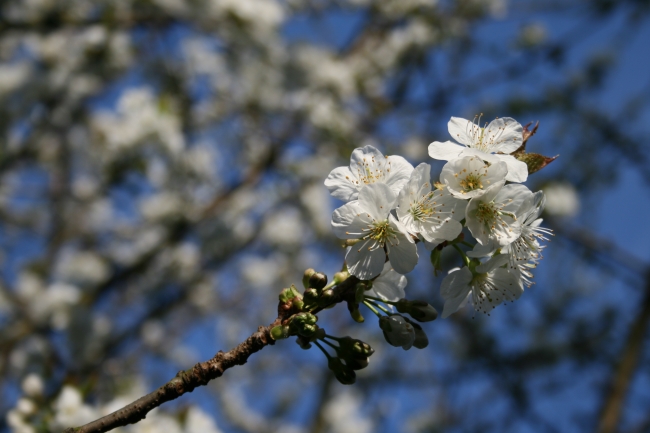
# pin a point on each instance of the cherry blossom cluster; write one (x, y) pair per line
(390, 206)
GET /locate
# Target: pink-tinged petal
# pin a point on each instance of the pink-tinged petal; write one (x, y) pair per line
(377, 200)
(364, 262)
(342, 184)
(503, 135)
(403, 256)
(455, 289)
(517, 170)
(445, 151)
(464, 131)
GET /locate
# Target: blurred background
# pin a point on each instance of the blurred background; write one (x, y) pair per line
(161, 180)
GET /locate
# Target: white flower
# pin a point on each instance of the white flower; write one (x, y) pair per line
(434, 214)
(397, 331)
(488, 286)
(470, 176)
(524, 252)
(389, 285)
(492, 216)
(369, 220)
(368, 166)
(492, 143)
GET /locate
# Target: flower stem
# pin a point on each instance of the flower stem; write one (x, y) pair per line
(381, 300)
(462, 253)
(381, 307)
(323, 350)
(369, 305)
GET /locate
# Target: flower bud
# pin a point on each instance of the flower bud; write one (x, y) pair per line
(304, 324)
(327, 298)
(339, 277)
(288, 294)
(280, 332)
(303, 342)
(306, 276)
(357, 363)
(342, 372)
(397, 331)
(419, 310)
(421, 340)
(355, 348)
(318, 280)
(311, 295)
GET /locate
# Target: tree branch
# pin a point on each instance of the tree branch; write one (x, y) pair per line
(183, 382)
(621, 379)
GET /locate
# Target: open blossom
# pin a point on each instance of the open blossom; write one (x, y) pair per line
(485, 288)
(369, 220)
(525, 252)
(470, 176)
(491, 143)
(432, 213)
(368, 166)
(492, 216)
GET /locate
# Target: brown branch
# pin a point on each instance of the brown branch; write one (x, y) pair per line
(183, 382)
(621, 379)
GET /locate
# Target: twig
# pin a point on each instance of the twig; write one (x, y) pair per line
(183, 382)
(610, 413)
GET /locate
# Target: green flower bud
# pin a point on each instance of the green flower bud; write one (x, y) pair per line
(304, 324)
(306, 276)
(339, 277)
(318, 280)
(288, 294)
(419, 310)
(311, 295)
(355, 348)
(297, 303)
(280, 332)
(327, 298)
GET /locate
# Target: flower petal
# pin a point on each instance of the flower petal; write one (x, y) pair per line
(342, 184)
(348, 221)
(389, 285)
(517, 170)
(377, 200)
(398, 172)
(464, 131)
(444, 151)
(503, 135)
(454, 290)
(363, 262)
